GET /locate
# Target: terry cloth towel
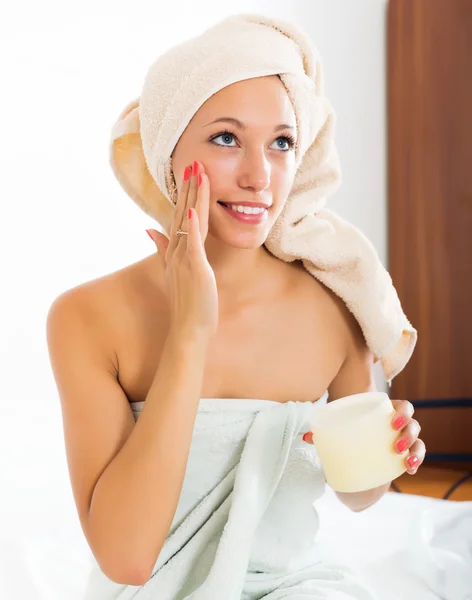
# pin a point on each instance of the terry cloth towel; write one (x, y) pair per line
(178, 83)
(245, 525)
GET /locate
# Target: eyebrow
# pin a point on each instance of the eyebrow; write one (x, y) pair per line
(242, 126)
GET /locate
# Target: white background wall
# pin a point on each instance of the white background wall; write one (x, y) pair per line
(68, 70)
(351, 37)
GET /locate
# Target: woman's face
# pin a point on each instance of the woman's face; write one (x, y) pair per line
(251, 163)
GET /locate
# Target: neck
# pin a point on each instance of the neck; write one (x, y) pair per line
(243, 276)
(239, 272)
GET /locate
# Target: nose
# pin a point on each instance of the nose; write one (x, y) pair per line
(255, 171)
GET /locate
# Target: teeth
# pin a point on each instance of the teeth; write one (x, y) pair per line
(247, 210)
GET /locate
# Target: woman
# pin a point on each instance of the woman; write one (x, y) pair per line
(212, 317)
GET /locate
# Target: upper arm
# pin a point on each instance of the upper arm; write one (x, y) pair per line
(96, 415)
(356, 373)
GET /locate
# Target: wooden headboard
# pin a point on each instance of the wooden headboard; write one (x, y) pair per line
(430, 213)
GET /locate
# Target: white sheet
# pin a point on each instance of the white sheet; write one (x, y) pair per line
(44, 556)
(407, 547)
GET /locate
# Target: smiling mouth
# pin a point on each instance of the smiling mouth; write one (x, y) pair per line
(253, 217)
(258, 205)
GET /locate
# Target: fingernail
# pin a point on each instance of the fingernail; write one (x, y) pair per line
(199, 179)
(401, 446)
(412, 461)
(398, 423)
(149, 235)
(187, 172)
(305, 436)
(189, 213)
(195, 167)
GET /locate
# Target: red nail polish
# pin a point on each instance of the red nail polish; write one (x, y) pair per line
(149, 235)
(199, 179)
(412, 461)
(189, 213)
(195, 167)
(402, 445)
(305, 436)
(187, 172)
(398, 423)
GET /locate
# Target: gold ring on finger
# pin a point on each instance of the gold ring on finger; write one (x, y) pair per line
(181, 232)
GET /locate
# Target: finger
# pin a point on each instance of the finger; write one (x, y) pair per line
(193, 189)
(308, 437)
(416, 457)
(203, 204)
(403, 412)
(179, 212)
(161, 243)
(192, 195)
(195, 246)
(408, 436)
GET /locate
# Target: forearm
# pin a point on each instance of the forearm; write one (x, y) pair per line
(135, 499)
(359, 501)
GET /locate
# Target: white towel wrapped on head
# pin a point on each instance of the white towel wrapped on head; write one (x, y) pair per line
(335, 252)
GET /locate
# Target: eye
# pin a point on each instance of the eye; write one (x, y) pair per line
(225, 135)
(287, 140)
(228, 136)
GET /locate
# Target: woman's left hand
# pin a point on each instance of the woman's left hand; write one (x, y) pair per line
(410, 428)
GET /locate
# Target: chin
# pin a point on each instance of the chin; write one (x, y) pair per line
(238, 239)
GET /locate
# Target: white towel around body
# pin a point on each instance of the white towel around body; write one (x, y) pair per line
(245, 525)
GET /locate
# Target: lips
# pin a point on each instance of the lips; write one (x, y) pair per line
(243, 217)
(251, 204)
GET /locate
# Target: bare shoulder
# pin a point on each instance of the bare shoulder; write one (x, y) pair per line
(101, 287)
(314, 295)
(355, 374)
(348, 324)
(87, 305)
(108, 304)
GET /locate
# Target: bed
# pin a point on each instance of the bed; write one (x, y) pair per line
(409, 547)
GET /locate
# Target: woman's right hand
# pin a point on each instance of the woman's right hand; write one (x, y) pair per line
(190, 280)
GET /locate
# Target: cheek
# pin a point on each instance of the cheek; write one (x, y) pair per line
(219, 169)
(221, 174)
(282, 183)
